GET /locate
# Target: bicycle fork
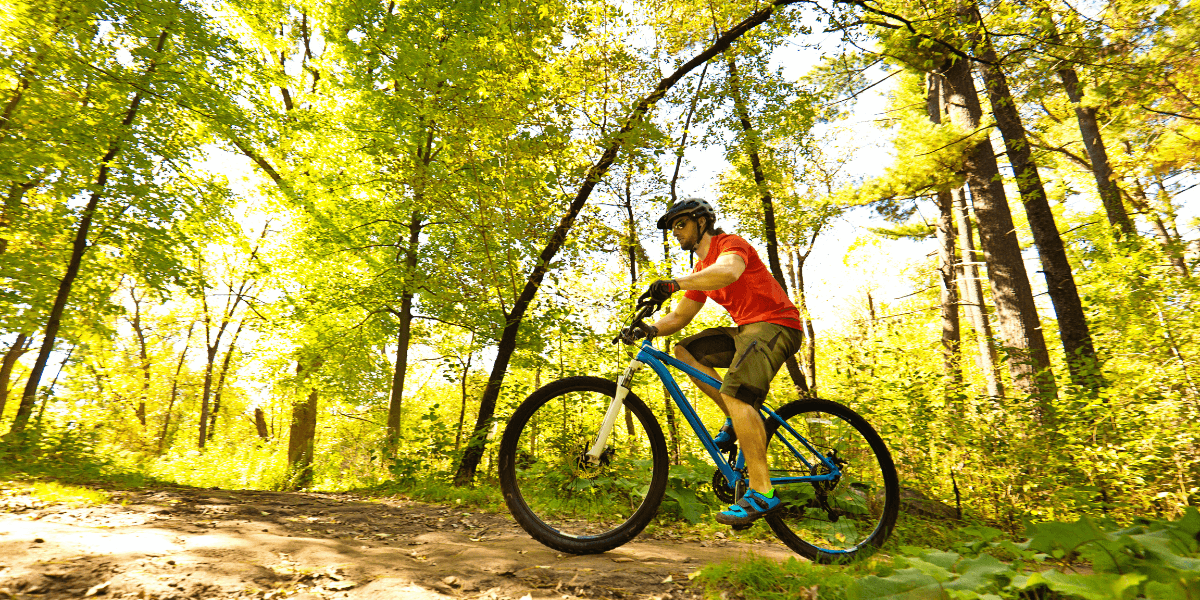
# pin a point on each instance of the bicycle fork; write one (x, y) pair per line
(592, 456)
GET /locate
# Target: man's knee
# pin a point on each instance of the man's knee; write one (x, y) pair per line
(681, 352)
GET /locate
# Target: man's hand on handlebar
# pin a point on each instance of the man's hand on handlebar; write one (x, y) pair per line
(659, 292)
(630, 335)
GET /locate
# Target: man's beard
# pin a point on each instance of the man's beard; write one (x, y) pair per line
(689, 243)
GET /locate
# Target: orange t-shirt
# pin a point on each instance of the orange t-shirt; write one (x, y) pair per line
(755, 297)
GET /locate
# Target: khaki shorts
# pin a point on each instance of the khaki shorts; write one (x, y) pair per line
(753, 353)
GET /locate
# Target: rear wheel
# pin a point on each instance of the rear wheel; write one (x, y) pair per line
(551, 489)
(840, 519)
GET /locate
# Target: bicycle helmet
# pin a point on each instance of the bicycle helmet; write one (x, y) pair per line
(694, 207)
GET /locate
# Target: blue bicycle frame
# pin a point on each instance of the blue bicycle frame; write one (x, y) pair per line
(649, 355)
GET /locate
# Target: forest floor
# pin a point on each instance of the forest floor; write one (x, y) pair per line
(167, 543)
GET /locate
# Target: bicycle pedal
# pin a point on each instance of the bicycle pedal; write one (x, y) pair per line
(742, 527)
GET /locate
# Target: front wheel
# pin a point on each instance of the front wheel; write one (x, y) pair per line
(840, 519)
(555, 494)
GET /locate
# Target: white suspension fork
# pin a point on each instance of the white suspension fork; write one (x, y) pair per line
(614, 410)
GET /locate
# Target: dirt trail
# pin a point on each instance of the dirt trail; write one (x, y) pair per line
(183, 543)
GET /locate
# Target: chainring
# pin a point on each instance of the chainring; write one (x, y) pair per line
(721, 488)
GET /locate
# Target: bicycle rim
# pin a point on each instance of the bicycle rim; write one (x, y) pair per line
(842, 519)
(555, 494)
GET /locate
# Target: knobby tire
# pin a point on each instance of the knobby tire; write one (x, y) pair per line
(870, 503)
(569, 506)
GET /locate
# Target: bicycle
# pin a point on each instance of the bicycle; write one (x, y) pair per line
(580, 482)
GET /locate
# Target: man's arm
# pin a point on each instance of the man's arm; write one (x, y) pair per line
(721, 273)
(677, 319)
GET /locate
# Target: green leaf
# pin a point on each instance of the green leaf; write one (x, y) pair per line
(1062, 537)
(1096, 586)
(978, 573)
(905, 584)
(1173, 591)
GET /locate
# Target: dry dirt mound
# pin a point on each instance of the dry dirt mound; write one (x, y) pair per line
(181, 543)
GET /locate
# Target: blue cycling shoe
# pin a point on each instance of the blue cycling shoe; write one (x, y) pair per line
(726, 437)
(752, 507)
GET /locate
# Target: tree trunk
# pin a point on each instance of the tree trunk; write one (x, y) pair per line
(1089, 129)
(19, 347)
(973, 294)
(809, 345)
(1020, 326)
(78, 248)
(213, 343)
(508, 339)
(54, 382)
(753, 143)
(1060, 282)
(166, 427)
(462, 411)
(211, 348)
(1171, 245)
(668, 401)
(632, 247)
(303, 431)
(260, 424)
(216, 408)
(143, 356)
(404, 336)
(951, 334)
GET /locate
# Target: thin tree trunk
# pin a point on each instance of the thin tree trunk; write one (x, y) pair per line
(951, 334)
(216, 407)
(53, 383)
(462, 411)
(508, 339)
(973, 294)
(687, 125)
(143, 356)
(213, 343)
(809, 349)
(78, 248)
(632, 245)
(1089, 129)
(1020, 326)
(1060, 282)
(404, 335)
(1171, 246)
(1093, 142)
(753, 143)
(303, 430)
(211, 348)
(668, 401)
(20, 346)
(260, 424)
(162, 438)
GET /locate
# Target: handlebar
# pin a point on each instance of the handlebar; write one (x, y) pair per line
(638, 321)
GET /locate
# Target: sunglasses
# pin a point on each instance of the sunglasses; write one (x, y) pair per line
(680, 224)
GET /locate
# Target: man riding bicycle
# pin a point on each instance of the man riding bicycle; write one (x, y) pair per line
(767, 334)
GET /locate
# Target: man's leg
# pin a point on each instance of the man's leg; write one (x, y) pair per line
(682, 354)
(752, 435)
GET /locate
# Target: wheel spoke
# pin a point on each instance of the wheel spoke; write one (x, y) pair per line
(561, 497)
(831, 520)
